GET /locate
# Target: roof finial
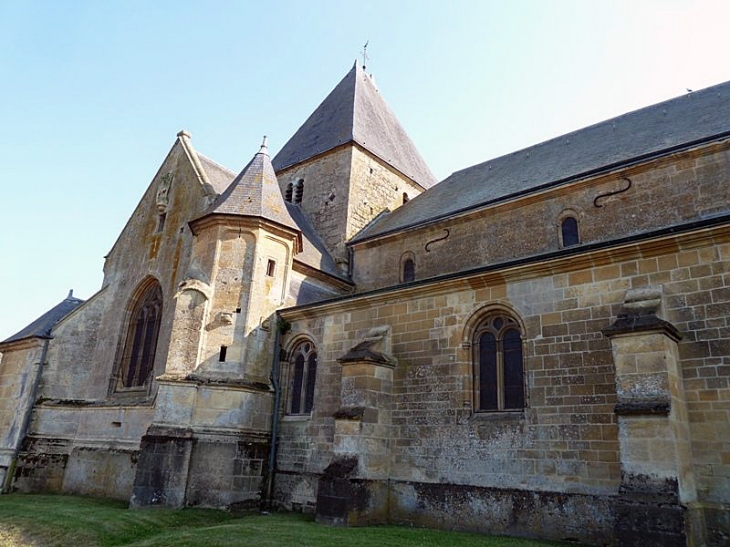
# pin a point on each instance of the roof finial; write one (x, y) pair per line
(365, 54)
(70, 294)
(264, 149)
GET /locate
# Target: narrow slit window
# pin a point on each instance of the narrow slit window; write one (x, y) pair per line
(161, 221)
(569, 232)
(405, 198)
(222, 354)
(289, 192)
(409, 271)
(270, 268)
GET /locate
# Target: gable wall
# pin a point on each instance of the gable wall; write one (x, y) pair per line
(81, 439)
(142, 251)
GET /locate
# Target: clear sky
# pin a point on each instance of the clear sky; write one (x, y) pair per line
(93, 93)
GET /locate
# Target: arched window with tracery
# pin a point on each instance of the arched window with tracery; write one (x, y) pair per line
(303, 362)
(138, 357)
(499, 379)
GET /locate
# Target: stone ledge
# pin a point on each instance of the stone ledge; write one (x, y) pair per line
(643, 408)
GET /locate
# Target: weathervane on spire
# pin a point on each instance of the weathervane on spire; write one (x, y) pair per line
(365, 54)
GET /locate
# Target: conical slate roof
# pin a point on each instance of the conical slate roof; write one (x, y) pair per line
(41, 327)
(355, 112)
(255, 193)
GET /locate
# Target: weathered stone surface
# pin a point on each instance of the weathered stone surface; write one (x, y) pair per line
(614, 424)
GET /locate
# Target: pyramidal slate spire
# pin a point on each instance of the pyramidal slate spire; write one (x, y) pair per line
(355, 112)
(255, 193)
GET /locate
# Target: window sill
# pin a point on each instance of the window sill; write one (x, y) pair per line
(297, 417)
(500, 415)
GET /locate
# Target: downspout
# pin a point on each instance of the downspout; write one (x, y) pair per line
(26, 419)
(275, 413)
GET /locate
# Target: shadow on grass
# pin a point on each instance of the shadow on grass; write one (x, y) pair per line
(61, 521)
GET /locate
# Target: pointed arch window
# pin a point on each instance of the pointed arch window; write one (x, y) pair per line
(138, 357)
(499, 380)
(303, 361)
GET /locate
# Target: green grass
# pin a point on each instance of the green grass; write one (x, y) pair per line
(60, 521)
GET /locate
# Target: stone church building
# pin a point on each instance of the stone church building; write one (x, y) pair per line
(538, 345)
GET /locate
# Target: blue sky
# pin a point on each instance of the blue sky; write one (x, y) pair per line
(93, 93)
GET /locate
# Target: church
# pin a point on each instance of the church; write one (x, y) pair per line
(536, 346)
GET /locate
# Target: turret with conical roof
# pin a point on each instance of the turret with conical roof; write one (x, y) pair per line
(350, 161)
(238, 276)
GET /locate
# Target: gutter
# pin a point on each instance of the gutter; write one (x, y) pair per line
(26, 419)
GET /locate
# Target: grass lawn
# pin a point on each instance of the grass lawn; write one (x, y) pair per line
(60, 521)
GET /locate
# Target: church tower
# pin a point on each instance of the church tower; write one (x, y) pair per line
(350, 161)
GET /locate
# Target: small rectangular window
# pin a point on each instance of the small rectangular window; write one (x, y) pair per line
(222, 355)
(161, 221)
(270, 268)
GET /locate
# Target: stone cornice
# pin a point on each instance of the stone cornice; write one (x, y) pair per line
(668, 240)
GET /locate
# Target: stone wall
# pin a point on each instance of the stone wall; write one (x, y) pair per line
(680, 188)
(344, 190)
(84, 437)
(20, 364)
(567, 439)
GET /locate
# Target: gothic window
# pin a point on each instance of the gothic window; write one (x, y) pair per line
(299, 191)
(138, 357)
(303, 361)
(498, 365)
(289, 192)
(569, 232)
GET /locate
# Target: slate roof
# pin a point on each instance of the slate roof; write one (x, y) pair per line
(220, 177)
(314, 253)
(255, 192)
(691, 118)
(41, 327)
(355, 112)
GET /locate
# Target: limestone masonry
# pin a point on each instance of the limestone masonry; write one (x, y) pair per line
(538, 345)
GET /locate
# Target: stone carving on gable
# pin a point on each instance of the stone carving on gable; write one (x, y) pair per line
(163, 190)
